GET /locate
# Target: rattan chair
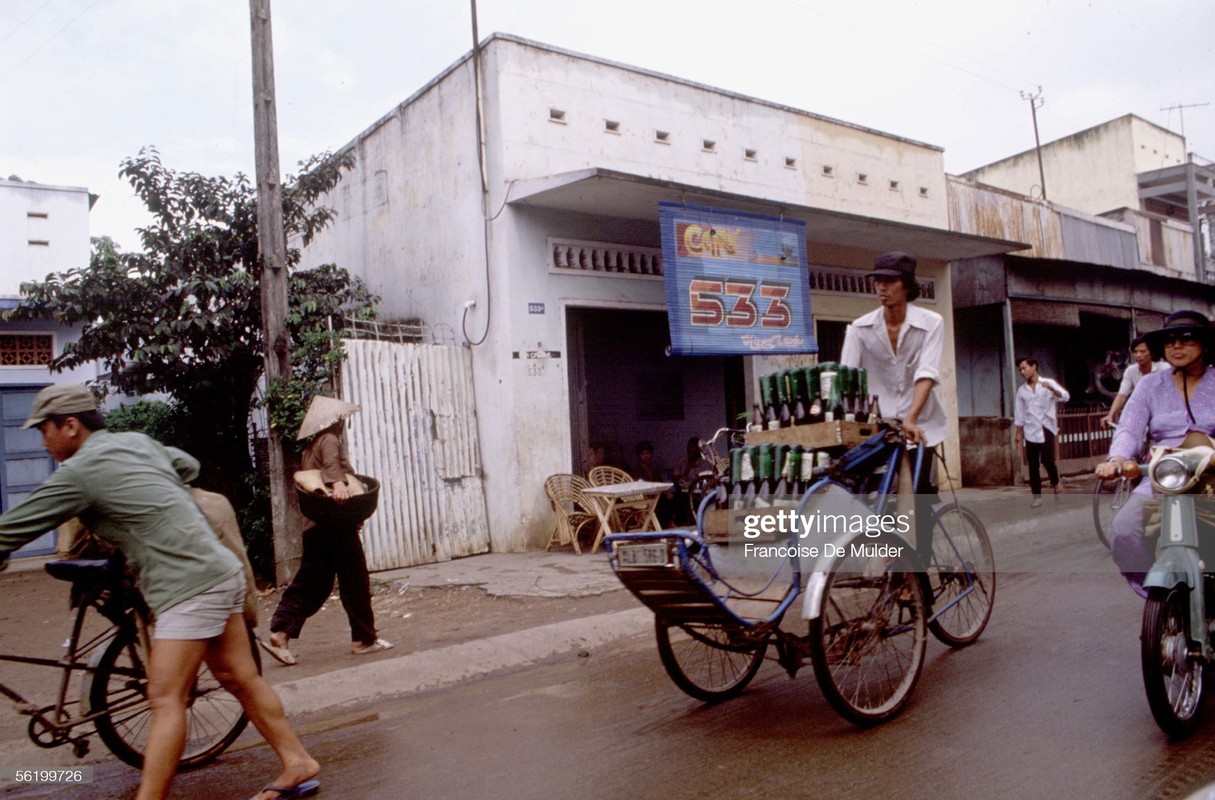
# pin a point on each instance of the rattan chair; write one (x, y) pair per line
(623, 519)
(573, 511)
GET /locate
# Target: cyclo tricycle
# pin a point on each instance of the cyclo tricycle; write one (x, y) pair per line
(867, 597)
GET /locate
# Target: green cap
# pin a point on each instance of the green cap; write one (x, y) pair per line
(62, 398)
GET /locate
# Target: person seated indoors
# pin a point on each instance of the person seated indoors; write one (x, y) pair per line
(646, 471)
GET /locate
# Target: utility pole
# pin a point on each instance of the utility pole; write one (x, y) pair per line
(272, 246)
(1036, 101)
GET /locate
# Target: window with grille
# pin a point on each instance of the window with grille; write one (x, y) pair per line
(26, 350)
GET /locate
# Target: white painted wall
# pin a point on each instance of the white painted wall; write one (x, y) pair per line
(1095, 170)
(32, 213)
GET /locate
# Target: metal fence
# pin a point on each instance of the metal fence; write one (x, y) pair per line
(1081, 434)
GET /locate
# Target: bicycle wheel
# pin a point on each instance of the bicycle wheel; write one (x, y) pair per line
(214, 717)
(708, 662)
(1172, 676)
(962, 576)
(1108, 498)
(869, 639)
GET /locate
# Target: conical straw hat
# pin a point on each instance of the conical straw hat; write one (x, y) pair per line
(323, 412)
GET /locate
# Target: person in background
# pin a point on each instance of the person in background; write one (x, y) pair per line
(1036, 419)
(126, 488)
(1164, 407)
(646, 471)
(1143, 364)
(693, 466)
(331, 550)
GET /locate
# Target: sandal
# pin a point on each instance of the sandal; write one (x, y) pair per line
(280, 654)
(374, 647)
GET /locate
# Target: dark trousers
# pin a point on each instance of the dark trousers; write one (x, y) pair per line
(329, 552)
(1043, 452)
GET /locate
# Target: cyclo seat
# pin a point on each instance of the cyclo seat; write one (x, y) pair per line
(78, 570)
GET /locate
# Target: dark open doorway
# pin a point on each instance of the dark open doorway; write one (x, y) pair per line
(625, 388)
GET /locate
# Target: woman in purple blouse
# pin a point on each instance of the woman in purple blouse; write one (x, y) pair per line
(1164, 407)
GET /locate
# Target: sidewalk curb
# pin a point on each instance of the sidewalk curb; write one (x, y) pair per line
(434, 669)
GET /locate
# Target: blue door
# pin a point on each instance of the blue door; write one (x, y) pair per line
(24, 464)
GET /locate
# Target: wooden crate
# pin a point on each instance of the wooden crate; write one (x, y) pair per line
(817, 436)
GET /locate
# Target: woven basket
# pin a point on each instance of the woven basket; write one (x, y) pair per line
(321, 509)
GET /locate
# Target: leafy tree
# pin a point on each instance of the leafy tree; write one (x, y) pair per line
(183, 316)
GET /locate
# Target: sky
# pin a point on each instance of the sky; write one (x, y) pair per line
(87, 83)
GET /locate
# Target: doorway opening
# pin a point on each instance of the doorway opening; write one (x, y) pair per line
(624, 389)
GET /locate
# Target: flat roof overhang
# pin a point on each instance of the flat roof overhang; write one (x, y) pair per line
(605, 192)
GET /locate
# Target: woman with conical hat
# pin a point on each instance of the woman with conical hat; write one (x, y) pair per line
(331, 550)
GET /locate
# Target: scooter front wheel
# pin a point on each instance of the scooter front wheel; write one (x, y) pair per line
(1172, 673)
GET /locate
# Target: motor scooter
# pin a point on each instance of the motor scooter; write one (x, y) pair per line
(1175, 640)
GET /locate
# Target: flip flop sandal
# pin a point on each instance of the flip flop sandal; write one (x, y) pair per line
(374, 647)
(283, 656)
(304, 789)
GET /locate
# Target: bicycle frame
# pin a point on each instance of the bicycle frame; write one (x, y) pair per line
(55, 719)
(812, 604)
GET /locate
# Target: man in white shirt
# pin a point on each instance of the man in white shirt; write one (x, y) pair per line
(1143, 365)
(899, 345)
(1036, 420)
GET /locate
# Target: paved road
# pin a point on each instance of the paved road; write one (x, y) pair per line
(1048, 704)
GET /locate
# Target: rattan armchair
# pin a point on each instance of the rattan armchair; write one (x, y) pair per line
(623, 519)
(573, 512)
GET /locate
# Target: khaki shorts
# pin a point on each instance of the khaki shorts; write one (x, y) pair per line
(205, 615)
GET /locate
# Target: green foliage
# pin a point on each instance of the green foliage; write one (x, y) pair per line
(182, 316)
(160, 420)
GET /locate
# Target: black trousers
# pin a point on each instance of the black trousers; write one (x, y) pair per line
(329, 552)
(1043, 452)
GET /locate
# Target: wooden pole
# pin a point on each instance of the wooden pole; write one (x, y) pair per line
(272, 244)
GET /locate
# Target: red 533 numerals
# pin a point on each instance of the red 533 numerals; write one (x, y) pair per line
(739, 304)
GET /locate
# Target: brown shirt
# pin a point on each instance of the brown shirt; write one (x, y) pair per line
(327, 454)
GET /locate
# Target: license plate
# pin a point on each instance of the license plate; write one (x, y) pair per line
(642, 555)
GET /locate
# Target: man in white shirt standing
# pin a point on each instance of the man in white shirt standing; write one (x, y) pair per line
(1143, 365)
(1036, 420)
(899, 345)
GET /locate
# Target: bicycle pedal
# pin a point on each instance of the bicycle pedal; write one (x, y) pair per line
(26, 709)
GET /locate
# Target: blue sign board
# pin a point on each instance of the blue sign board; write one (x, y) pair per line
(737, 283)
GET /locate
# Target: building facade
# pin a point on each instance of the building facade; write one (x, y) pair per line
(513, 201)
(1119, 245)
(43, 229)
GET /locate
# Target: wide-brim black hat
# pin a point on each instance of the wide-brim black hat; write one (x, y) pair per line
(1182, 322)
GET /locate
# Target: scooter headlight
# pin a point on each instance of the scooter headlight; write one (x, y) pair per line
(1171, 474)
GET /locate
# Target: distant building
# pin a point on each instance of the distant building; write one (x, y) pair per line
(1112, 252)
(43, 229)
(562, 253)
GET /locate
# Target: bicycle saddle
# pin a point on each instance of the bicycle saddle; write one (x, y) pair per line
(80, 569)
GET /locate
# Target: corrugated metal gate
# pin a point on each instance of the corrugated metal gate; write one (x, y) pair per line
(417, 434)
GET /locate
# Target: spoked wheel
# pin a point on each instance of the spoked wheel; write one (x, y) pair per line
(962, 576)
(1172, 675)
(1108, 498)
(214, 717)
(869, 639)
(709, 662)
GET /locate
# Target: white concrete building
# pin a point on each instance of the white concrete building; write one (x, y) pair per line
(556, 241)
(43, 229)
(1131, 171)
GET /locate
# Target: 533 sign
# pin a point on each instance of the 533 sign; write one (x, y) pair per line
(736, 283)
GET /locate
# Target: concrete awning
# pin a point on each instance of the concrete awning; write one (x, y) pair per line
(605, 192)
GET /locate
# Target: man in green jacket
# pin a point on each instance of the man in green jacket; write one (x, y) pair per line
(126, 488)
